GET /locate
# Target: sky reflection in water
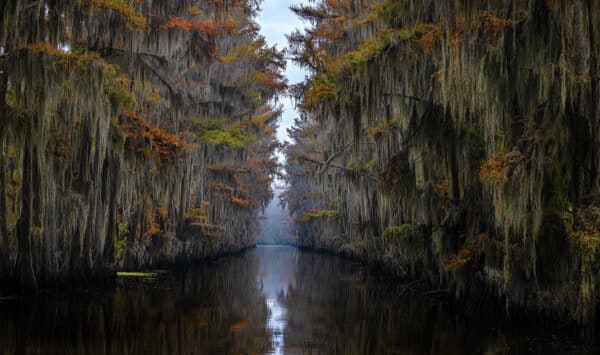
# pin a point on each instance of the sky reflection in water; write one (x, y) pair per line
(272, 299)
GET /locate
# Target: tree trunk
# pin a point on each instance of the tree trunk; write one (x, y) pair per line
(112, 228)
(24, 275)
(595, 78)
(4, 252)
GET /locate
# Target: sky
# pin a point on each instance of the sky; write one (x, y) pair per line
(276, 20)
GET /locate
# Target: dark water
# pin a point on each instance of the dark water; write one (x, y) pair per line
(268, 300)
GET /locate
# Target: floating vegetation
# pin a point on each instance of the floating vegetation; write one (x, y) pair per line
(149, 275)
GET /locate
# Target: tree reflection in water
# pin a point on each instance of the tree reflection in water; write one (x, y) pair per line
(268, 300)
(215, 308)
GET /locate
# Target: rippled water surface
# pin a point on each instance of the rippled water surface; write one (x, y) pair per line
(272, 299)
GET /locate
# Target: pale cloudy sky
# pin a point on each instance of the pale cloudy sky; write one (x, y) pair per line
(276, 20)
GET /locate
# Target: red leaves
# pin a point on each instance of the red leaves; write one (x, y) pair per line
(150, 140)
(187, 26)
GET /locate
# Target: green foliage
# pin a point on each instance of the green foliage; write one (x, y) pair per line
(117, 87)
(121, 241)
(325, 86)
(413, 32)
(11, 98)
(149, 275)
(373, 47)
(403, 232)
(201, 125)
(83, 60)
(215, 132)
(230, 136)
(366, 50)
(318, 214)
(357, 164)
(254, 96)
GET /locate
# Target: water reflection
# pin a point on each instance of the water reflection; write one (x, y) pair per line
(276, 277)
(275, 300)
(218, 308)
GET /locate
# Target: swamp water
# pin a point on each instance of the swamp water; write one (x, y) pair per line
(271, 299)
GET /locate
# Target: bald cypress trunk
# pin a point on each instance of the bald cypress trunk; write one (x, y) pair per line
(24, 274)
(595, 92)
(4, 252)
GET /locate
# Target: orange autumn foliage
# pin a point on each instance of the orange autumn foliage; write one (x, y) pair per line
(208, 27)
(150, 140)
(429, 40)
(271, 79)
(162, 212)
(230, 193)
(330, 30)
(238, 326)
(494, 24)
(231, 169)
(338, 4)
(493, 170)
(219, 187)
(467, 254)
(196, 215)
(240, 202)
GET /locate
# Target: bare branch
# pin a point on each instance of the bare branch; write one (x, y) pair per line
(161, 77)
(112, 52)
(332, 157)
(343, 168)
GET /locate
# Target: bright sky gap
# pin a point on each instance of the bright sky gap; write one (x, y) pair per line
(276, 20)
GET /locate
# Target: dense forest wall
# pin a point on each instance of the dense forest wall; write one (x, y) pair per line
(133, 133)
(456, 143)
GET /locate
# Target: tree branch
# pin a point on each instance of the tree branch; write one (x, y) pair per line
(162, 78)
(336, 154)
(343, 168)
(112, 51)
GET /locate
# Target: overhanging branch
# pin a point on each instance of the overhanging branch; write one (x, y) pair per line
(343, 168)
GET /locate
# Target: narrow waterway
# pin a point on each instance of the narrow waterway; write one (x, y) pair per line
(272, 299)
